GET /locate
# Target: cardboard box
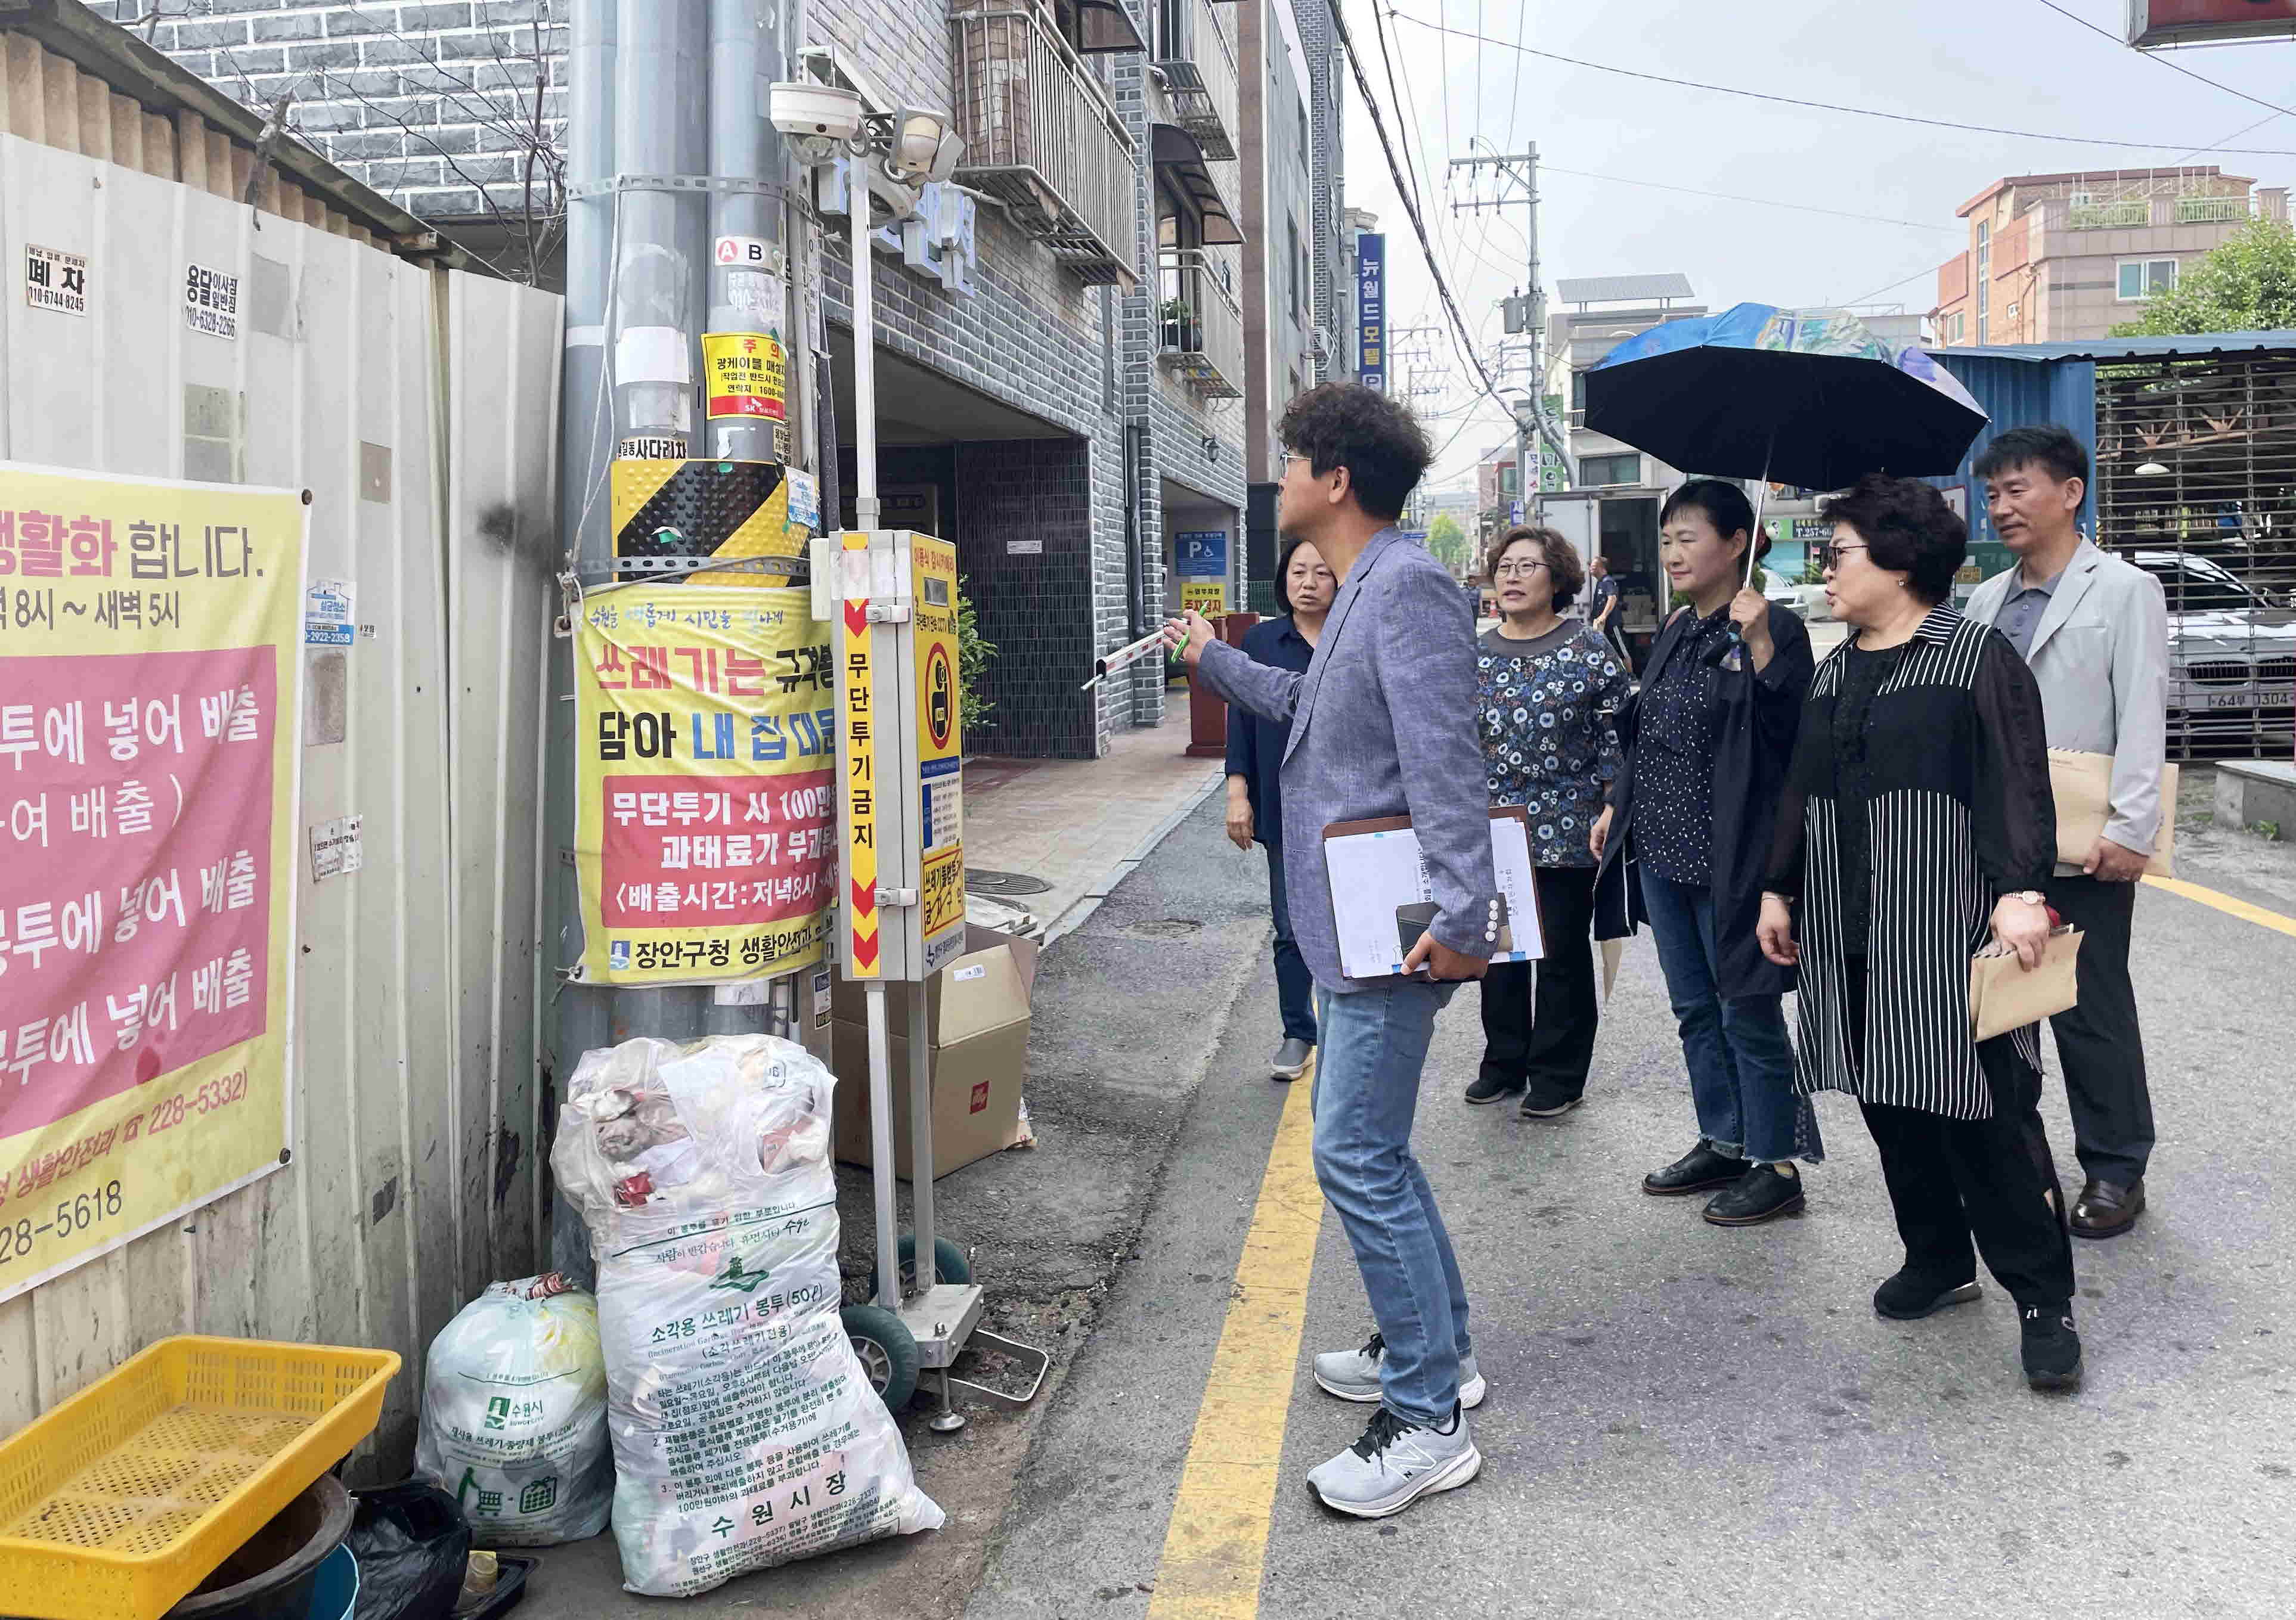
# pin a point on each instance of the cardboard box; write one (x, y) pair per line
(977, 1014)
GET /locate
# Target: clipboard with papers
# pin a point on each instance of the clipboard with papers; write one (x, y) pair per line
(1375, 870)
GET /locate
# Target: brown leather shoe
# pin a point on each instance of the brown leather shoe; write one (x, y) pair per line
(2106, 1209)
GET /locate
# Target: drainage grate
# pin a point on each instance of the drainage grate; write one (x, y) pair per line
(983, 882)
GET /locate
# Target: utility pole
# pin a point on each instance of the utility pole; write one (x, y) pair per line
(1515, 180)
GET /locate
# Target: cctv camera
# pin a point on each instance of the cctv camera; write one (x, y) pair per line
(815, 111)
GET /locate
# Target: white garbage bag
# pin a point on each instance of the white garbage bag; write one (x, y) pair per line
(746, 1433)
(514, 1415)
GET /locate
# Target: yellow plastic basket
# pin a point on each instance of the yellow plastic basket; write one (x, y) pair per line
(122, 1500)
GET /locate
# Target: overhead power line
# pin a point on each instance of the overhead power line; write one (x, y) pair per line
(2174, 67)
(1766, 202)
(1406, 193)
(1863, 113)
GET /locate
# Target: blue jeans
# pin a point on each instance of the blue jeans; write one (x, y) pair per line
(1741, 1063)
(1367, 1067)
(1295, 986)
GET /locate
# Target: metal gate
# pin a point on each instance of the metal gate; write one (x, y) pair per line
(2196, 485)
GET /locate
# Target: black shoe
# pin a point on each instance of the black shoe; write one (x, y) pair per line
(1762, 1194)
(1908, 1297)
(2106, 1209)
(1695, 1171)
(1487, 1089)
(2052, 1350)
(1538, 1107)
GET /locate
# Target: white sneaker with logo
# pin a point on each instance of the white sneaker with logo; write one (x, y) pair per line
(1353, 1375)
(1394, 1464)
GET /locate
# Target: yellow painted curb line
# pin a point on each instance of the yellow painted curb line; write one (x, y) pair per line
(1216, 1543)
(2225, 904)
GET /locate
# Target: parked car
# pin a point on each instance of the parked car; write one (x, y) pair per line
(1787, 592)
(2231, 656)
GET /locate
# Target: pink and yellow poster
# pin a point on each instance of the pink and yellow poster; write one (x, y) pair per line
(150, 673)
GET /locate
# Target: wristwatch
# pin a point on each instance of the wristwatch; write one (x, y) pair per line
(2030, 897)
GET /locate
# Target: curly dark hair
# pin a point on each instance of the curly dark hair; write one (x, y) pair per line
(1376, 438)
(1560, 557)
(1907, 528)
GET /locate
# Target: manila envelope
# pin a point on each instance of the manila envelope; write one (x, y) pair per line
(2004, 996)
(2082, 784)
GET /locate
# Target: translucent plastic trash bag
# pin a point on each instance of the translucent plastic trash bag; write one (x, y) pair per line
(514, 1415)
(746, 1433)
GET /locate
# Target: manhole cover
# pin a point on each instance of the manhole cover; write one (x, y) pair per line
(1165, 928)
(982, 882)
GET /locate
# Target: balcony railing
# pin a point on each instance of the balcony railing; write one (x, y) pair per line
(1041, 137)
(2211, 210)
(1199, 324)
(1200, 76)
(2129, 211)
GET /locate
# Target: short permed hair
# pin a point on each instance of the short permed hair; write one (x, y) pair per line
(1560, 557)
(2050, 448)
(1907, 528)
(1376, 438)
(1723, 504)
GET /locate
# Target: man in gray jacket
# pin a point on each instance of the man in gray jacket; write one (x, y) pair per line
(2096, 631)
(1382, 725)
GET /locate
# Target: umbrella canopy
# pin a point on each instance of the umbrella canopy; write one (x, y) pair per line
(1804, 397)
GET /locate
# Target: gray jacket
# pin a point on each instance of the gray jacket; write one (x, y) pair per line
(2101, 655)
(1382, 725)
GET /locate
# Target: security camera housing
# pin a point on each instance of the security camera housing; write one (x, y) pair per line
(816, 111)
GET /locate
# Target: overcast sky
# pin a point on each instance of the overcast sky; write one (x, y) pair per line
(2012, 64)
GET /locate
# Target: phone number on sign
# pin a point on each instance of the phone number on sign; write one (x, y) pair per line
(74, 1215)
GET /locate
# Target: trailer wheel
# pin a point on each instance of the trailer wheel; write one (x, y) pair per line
(949, 1264)
(887, 1352)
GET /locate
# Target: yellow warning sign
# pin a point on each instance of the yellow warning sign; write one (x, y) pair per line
(1208, 597)
(744, 374)
(710, 509)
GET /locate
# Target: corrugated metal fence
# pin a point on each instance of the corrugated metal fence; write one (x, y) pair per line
(419, 407)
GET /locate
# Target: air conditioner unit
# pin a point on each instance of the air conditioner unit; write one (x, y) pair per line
(1322, 343)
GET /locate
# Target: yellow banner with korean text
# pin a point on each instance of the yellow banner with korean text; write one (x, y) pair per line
(151, 634)
(705, 839)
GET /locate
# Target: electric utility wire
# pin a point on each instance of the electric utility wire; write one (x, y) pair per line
(1766, 202)
(1410, 203)
(1863, 113)
(2174, 67)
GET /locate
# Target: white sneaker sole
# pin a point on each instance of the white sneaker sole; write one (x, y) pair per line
(1450, 1476)
(1471, 1393)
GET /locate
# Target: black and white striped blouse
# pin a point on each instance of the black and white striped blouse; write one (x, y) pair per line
(1952, 788)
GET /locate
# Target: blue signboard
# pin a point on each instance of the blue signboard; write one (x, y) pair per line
(1370, 310)
(1201, 553)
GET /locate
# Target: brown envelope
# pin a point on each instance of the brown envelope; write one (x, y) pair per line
(2004, 996)
(2083, 786)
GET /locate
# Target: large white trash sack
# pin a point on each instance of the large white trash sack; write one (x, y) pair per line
(514, 1415)
(745, 1432)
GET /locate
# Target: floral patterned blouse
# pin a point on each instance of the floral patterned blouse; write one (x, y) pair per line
(1549, 744)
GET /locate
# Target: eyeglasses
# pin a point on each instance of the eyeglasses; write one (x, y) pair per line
(1829, 555)
(1516, 571)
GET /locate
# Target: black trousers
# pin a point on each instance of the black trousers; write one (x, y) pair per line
(1963, 1187)
(2098, 1040)
(1542, 1038)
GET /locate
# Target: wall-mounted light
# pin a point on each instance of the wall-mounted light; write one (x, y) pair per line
(1211, 448)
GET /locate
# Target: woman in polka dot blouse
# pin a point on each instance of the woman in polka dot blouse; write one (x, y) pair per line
(1547, 688)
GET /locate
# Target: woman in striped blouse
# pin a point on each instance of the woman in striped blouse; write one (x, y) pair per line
(1917, 826)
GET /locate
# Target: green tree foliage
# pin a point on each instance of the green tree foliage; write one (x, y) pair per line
(1449, 542)
(2247, 283)
(973, 657)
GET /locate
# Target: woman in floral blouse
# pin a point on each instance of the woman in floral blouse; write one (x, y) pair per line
(1549, 687)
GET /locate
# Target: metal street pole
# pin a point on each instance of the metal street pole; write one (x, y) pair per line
(1522, 169)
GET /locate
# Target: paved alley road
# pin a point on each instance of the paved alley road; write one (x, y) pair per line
(1693, 1421)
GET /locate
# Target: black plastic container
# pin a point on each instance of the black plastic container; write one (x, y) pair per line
(270, 1575)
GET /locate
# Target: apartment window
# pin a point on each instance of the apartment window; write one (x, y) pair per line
(1610, 469)
(1957, 328)
(2141, 278)
(1172, 32)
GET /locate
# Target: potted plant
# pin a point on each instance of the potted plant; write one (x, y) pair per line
(1182, 332)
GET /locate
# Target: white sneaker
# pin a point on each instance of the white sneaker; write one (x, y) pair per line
(1394, 1465)
(1353, 1375)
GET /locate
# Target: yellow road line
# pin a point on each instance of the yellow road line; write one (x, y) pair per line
(1216, 1541)
(2225, 904)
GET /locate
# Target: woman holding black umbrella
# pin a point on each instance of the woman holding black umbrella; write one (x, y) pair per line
(1683, 843)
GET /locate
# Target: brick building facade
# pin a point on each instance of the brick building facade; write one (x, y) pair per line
(1056, 421)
